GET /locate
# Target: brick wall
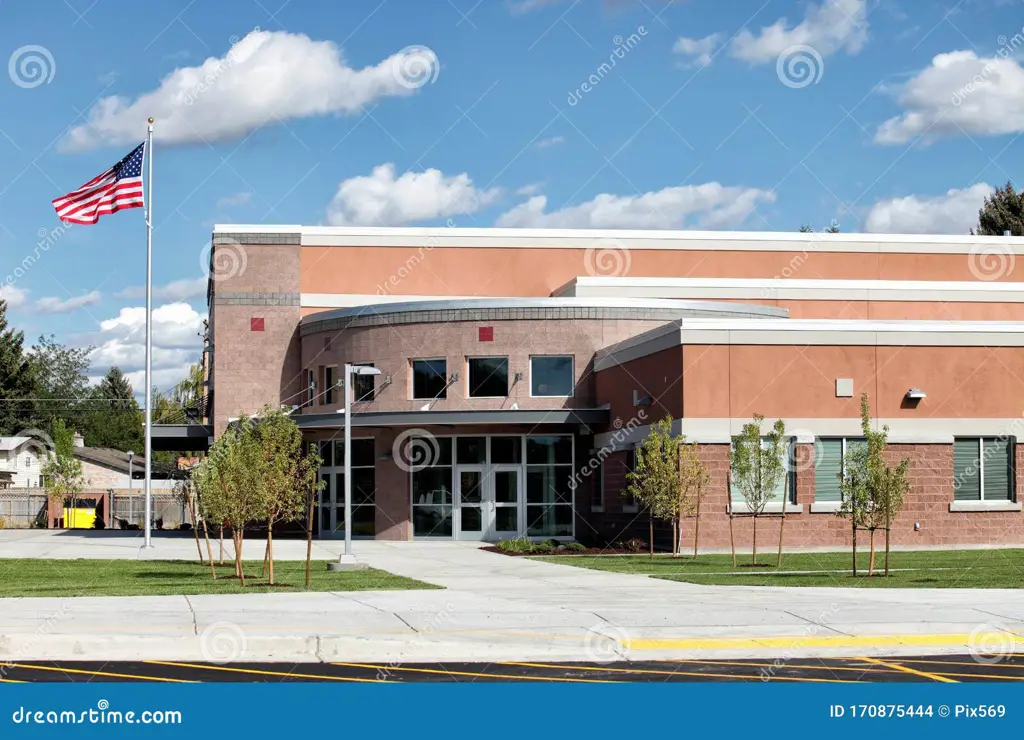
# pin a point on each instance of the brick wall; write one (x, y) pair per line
(927, 504)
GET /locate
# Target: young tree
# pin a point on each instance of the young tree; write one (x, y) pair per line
(62, 471)
(229, 485)
(1001, 212)
(872, 490)
(285, 474)
(655, 482)
(19, 385)
(758, 469)
(694, 481)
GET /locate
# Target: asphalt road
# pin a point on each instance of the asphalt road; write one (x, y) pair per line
(939, 668)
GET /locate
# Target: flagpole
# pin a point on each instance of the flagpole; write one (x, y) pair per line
(149, 337)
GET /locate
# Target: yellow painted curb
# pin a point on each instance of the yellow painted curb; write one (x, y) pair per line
(797, 642)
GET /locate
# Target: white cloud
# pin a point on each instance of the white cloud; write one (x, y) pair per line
(955, 212)
(238, 199)
(177, 343)
(382, 199)
(529, 189)
(552, 141)
(710, 205)
(959, 93)
(13, 295)
(831, 26)
(176, 290)
(267, 75)
(57, 305)
(699, 50)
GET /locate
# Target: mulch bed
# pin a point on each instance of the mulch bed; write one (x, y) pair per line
(572, 553)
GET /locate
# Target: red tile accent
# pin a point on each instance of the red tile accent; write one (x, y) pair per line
(257, 324)
(486, 334)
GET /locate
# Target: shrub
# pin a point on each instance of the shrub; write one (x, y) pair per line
(633, 545)
(574, 546)
(542, 547)
(516, 544)
(3, 523)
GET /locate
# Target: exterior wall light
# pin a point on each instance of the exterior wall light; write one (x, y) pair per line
(915, 394)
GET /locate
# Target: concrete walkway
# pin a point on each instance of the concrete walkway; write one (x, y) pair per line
(493, 608)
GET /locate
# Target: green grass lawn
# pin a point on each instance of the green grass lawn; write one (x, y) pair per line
(908, 569)
(29, 577)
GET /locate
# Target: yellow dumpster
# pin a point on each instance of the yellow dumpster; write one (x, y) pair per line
(79, 517)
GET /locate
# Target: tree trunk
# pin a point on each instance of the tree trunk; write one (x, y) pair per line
(675, 538)
(732, 542)
(238, 556)
(309, 536)
(270, 552)
(195, 526)
(209, 551)
(854, 546)
(266, 555)
(887, 552)
(220, 560)
(650, 532)
(871, 560)
(696, 530)
(754, 554)
(782, 529)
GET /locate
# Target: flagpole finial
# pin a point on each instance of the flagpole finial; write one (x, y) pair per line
(151, 119)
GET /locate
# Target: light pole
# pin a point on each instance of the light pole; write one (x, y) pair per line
(131, 493)
(348, 561)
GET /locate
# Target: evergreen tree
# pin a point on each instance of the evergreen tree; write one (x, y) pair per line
(18, 382)
(114, 420)
(1001, 212)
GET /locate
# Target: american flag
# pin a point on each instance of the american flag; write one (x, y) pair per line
(117, 188)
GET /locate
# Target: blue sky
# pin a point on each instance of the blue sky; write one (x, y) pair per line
(763, 114)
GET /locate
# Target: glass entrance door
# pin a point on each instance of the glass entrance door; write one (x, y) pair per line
(506, 489)
(331, 507)
(472, 509)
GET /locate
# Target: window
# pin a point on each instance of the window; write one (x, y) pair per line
(506, 450)
(362, 386)
(551, 375)
(310, 387)
(786, 488)
(330, 378)
(432, 489)
(430, 379)
(983, 469)
(549, 501)
(829, 464)
(629, 504)
(364, 484)
(488, 377)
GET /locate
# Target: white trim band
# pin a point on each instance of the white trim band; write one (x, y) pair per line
(963, 506)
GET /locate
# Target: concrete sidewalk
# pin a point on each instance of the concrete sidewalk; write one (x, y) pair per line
(502, 608)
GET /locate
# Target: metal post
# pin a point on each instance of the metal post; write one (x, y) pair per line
(347, 561)
(131, 491)
(148, 540)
